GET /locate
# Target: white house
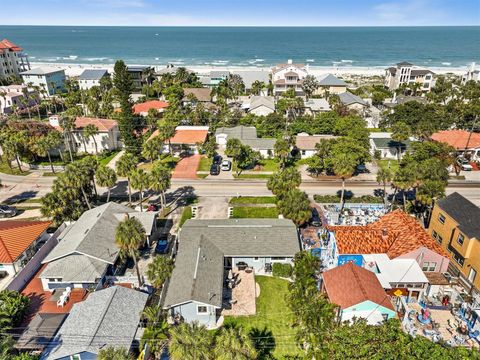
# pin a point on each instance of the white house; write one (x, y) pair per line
(382, 141)
(288, 76)
(249, 77)
(353, 102)
(91, 77)
(306, 143)
(12, 96)
(261, 105)
(472, 74)
(405, 73)
(50, 80)
(107, 138)
(248, 136)
(12, 59)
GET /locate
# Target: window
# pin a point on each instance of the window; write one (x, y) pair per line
(304, 152)
(429, 266)
(255, 258)
(201, 309)
(458, 259)
(472, 275)
(441, 219)
(385, 317)
(75, 357)
(437, 237)
(460, 239)
(278, 258)
(428, 77)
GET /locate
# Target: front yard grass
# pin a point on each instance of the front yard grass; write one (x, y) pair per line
(105, 159)
(253, 200)
(186, 214)
(4, 168)
(241, 212)
(269, 165)
(393, 164)
(271, 327)
(205, 164)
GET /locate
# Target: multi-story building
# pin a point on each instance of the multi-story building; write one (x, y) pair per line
(16, 97)
(49, 81)
(288, 76)
(471, 75)
(141, 75)
(12, 60)
(405, 73)
(455, 224)
(91, 77)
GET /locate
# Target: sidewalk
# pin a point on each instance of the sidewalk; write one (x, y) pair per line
(113, 163)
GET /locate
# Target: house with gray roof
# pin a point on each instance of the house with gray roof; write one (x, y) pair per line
(261, 105)
(108, 317)
(248, 136)
(315, 106)
(87, 249)
(382, 142)
(329, 83)
(352, 101)
(208, 247)
(251, 76)
(91, 77)
(50, 80)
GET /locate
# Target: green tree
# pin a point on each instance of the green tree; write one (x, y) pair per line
(159, 270)
(234, 344)
(68, 125)
(114, 353)
(400, 133)
(282, 151)
(284, 180)
(246, 159)
(209, 147)
(129, 236)
(404, 179)
(125, 165)
(89, 132)
(257, 87)
(310, 85)
(166, 131)
(76, 176)
(42, 149)
(152, 148)
(344, 166)
(160, 180)
(190, 341)
(294, 205)
(384, 176)
(106, 177)
(140, 181)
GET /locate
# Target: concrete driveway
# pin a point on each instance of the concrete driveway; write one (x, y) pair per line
(212, 207)
(187, 168)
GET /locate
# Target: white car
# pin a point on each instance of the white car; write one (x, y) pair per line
(464, 164)
(226, 165)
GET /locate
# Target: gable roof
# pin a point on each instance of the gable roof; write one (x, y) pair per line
(203, 244)
(317, 104)
(331, 80)
(190, 135)
(147, 105)
(394, 234)
(41, 71)
(248, 136)
(349, 285)
(458, 138)
(93, 74)
(347, 98)
(388, 142)
(257, 101)
(307, 142)
(202, 94)
(6, 44)
(16, 236)
(464, 212)
(107, 317)
(101, 124)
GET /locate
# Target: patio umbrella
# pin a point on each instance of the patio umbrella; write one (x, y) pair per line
(230, 274)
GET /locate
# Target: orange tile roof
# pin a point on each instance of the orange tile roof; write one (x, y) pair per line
(16, 236)
(101, 124)
(7, 44)
(350, 284)
(182, 136)
(458, 138)
(394, 234)
(147, 105)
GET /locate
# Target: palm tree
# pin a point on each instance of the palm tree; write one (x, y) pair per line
(152, 149)
(106, 177)
(140, 181)
(129, 235)
(384, 176)
(166, 131)
(42, 148)
(190, 341)
(159, 270)
(257, 87)
(282, 151)
(156, 337)
(125, 165)
(68, 125)
(234, 344)
(344, 165)
(160, 180)
(54, 139)
(76, 176)
(114, 353)
(26, 104)
(400, 133)
(90, 131)
(404, 179)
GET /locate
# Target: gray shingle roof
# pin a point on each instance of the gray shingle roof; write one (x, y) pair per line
(317, 104)
(198, 273)
(347, 98)
(41, 71)
(107, 317)
(331, 80)
(249, 77)
(248, 136)
(257, 101)
(75, 268)
(93, 74)
(464, 212)
(219, 74)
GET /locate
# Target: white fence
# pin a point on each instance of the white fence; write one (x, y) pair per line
(25, 275)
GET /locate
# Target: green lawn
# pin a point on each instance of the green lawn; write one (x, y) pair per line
(393, 164)
(254, 212)
(4, 168)
(49, 173)
(269, 165)
(253, 200)
(104, 160)
(205, 164)
(187, 214)
(251, 176)
(271, 326)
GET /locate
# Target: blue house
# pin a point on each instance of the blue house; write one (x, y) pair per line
(209, 248)
(358, 294)
(52, 81)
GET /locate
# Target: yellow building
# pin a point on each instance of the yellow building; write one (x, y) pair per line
(455, 224)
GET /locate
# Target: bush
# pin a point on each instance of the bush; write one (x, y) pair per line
(282, 270)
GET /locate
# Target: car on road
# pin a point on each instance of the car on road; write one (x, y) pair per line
(361, 168)
(464, 164)
(7, 211)
(215, 169)
(226, 165)
(217, 159)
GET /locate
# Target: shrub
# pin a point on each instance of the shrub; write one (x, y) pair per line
(282, 270)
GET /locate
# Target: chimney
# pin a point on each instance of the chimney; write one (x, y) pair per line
(126, 216)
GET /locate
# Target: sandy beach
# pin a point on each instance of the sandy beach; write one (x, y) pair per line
(73, 70)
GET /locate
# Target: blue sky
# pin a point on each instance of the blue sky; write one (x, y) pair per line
(242, 12)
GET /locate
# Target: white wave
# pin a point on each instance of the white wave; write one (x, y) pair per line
(156, 34)
(96, 59)
(446, 63)
(347, 61)
(157, 59)
(310, 60)
(70, 57)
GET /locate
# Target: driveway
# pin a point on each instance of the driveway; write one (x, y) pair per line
(187, 168)
(212, 207)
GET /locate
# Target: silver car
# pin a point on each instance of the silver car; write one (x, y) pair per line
(7, 211)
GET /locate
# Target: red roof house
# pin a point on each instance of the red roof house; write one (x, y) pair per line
(458, 139)
(142, 108)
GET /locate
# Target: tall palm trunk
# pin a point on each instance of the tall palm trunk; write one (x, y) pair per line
(84, 144)
(50, 161)
(108, 194)
(95, 142)
(69, 146)
(343, 193)
(385, 193)
(18, 162)
(141, 200)
(86, 197)
(393, 199)
(132, 254)
(404, 201)
(170, 147)
(129, 191)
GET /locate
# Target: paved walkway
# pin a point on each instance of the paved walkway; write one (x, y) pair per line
(187, 168)
(113, 163)
(243, 295)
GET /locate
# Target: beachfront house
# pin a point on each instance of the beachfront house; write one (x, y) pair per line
(140, 75)
(107, 137)
(17, 98)
(209, 248)
(249, 77)
(357, 293)
(330, 84)
(383, 143)
(406, 74)
(472, 74)
(86, 251)
(91, 77)
(12, 59)
(248, 136)
(50, 81)
(107, 318)
(288, 76)
(196, 95)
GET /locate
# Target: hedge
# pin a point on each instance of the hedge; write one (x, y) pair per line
(282, 270)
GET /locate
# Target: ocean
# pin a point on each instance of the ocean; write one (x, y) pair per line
(249, 46)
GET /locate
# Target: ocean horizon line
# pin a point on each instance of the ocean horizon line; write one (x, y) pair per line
(248, 26)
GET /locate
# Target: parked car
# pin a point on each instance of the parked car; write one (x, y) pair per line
(7, 211)
(464, 164)
(361, 168)
(217, 159)
(315, 219)
(153, 207)
(215, 169)
(241, 265)
(162, 246)
(226, 165)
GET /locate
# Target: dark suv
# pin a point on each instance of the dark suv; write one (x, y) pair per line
(215, 169)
